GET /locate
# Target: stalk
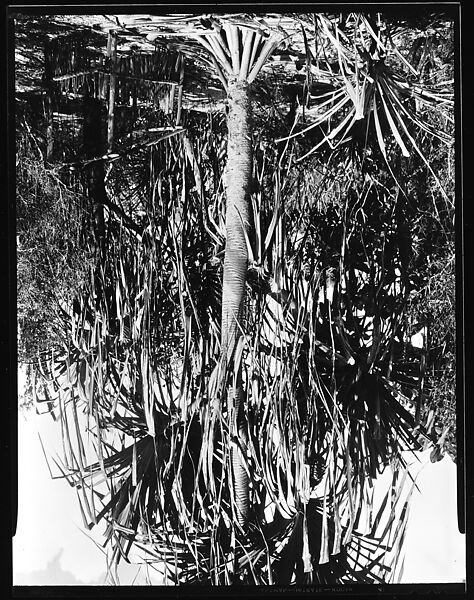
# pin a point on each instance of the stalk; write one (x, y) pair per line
(238, 226)
(238, 214)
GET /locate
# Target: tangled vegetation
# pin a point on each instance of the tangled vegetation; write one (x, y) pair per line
(256, 468)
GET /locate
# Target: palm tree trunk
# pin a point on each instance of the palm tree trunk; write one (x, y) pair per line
(240, 475)
(238, 226)
(238, 217)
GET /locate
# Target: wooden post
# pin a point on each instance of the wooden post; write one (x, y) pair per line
(112, 60)
(180, 90)
(95, 173)
(48, 100)
(48, 109)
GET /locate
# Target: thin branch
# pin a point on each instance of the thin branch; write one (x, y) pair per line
(172, 131)
(244, 65)
(233, 36)
(118, 75)
(218, 52)
(269, 46)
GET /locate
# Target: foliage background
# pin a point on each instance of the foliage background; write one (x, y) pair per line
(107, 315)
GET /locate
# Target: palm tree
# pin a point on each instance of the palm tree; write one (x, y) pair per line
(248, 51)
(251, 460)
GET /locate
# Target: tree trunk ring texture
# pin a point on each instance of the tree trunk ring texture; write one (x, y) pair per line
(238, 215)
